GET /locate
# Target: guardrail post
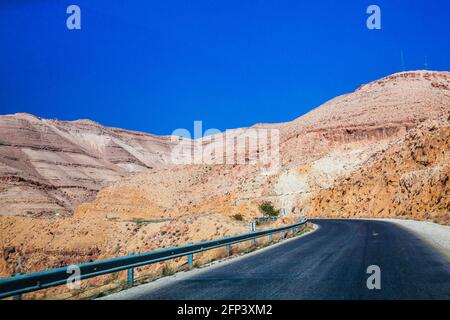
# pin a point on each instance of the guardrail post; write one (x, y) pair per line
(130, 277)
(228, 247)
(18, 296)
(190, 258)
(19, 267)
(253, 229)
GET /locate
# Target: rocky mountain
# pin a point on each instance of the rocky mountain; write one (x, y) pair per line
(48, 167)
(379, 151)
(329, 142)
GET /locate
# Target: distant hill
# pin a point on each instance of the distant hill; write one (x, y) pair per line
(48, 167)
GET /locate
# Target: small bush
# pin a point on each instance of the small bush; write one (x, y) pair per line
(267, 209)
(167, 271)
(238, 217)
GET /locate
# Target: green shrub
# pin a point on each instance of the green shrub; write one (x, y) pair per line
(167, 271)
(267, 209)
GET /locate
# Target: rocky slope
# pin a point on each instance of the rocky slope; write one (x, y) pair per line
(316, 149)
(409, 179)
(48, 167)
(382, 148)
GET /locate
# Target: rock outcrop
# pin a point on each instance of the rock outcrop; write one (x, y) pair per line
(409, 179)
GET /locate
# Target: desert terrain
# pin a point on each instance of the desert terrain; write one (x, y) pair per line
(76, 191)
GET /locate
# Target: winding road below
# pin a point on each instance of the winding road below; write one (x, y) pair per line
(330, 263)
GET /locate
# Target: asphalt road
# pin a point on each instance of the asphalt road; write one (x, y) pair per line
(330, 263)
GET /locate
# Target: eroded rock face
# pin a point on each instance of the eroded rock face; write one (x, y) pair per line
(48, 167)
(409, 179)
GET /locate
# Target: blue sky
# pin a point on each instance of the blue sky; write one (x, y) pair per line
(155, 66)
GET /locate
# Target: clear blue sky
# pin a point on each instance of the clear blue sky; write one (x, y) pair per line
(155, 66)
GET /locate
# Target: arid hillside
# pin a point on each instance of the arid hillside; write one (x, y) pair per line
(330, 142)
(410, 179)
(379, 151)
(48, 167)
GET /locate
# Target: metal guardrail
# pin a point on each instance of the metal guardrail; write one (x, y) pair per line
(23, 283)
(265, 219)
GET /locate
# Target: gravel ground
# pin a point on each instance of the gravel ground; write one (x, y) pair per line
(438, 235)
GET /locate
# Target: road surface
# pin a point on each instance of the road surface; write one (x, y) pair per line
(330, 263)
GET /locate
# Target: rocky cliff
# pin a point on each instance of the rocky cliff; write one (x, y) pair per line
(410, 179)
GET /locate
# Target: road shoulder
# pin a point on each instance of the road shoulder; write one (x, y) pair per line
(435, 234)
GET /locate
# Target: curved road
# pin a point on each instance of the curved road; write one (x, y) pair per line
(330, 263)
